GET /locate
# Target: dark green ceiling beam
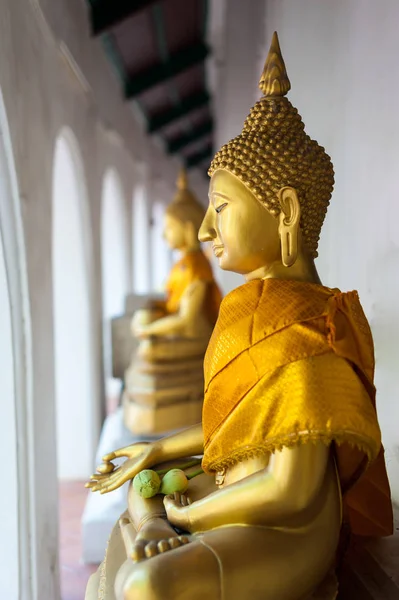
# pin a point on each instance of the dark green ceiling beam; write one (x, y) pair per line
(194, 159)
(185, 107)
(177, 144)
(106, 13)
(178, 62)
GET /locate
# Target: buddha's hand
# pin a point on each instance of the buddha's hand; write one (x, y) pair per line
(177, 508)
(141, 332)
(142, 455)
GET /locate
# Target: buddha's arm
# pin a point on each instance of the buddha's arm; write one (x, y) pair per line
(188, 442)
(190, 306)
(268, 497)
(145, 455)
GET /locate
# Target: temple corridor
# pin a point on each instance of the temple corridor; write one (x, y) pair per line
(110, 116)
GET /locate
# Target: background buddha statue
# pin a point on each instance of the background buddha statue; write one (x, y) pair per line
(291, 445)
(164, 384)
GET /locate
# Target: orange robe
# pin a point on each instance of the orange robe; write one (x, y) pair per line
(289, 363)
(193, 267)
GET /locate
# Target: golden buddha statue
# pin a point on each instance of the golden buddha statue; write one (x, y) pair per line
(164, 383)
(291, 445)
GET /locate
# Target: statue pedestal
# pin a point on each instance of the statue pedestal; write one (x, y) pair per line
(164, 386)
(102, 511)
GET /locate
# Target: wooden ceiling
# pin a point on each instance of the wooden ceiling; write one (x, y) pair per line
(158, 49)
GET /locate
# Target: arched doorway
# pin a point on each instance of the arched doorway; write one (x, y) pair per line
(161, 253)
(141, 258)
(19, 568)
(77, 407)
(115, 271)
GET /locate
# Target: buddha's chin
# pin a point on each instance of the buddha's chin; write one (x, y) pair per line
(225, 264)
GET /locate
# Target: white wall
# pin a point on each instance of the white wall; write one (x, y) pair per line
(9, 526)
(142, 241)
(19, 510)
(236, 35)
(161, 254)
(341, 58)
(54, 74)
(115, 265)
(73, 343)
(141, 234)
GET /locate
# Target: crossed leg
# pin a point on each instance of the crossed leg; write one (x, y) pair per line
(231, 563)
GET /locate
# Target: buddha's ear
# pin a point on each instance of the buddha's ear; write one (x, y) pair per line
(288, 229)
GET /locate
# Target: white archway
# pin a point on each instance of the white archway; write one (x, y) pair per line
(141, 258)
(115, 269)
(20, 566)
(161, 254)
(76, 402)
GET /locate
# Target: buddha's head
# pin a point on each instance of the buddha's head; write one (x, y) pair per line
(270, 186)
(183, 217)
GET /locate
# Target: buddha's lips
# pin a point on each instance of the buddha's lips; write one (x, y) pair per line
(217, 249)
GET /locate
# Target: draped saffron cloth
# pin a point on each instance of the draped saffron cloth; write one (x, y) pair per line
(292, 362)
(193, 266)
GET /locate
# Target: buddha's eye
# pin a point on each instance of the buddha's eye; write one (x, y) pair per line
(221, 207)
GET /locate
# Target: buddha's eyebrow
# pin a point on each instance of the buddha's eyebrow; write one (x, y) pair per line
(212, 195)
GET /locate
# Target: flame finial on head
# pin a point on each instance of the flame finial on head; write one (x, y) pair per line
(274, 80)
(185, 206)
(182, 183)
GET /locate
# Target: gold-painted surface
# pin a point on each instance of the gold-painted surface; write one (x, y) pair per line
(274, 80)
(297, 369)
(192, 295)
(274, 151)
(173, 331)
(190, 268)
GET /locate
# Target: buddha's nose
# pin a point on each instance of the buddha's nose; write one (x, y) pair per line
(207, 231)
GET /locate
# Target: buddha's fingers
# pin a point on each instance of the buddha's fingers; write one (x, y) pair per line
(119, 453)
(112, 481)
(185, 500)
(99, 476)
(106, 468)
(109, 457)
(93, 483)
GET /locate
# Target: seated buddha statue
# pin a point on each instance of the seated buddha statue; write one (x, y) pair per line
(290, 441)
(164, 383)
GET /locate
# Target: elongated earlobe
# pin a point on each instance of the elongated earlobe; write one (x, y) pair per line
(289, 225)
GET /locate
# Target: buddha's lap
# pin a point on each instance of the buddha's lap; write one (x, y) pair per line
(258, 561)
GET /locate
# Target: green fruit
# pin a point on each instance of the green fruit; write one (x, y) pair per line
(147, 483)
(173, 481)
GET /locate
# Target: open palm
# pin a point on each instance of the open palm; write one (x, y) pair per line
(139, 456)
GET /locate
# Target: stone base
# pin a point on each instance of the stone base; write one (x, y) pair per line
(159, 419)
